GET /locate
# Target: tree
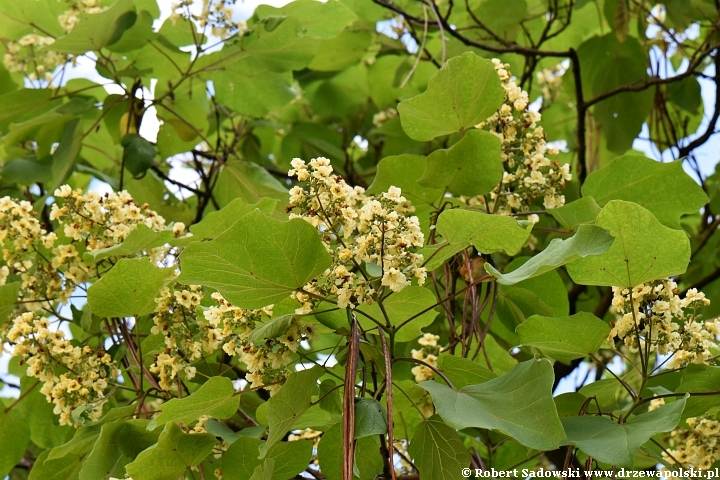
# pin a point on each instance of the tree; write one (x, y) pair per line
(368, 240)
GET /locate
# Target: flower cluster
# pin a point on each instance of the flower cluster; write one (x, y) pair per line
(215, 14)
(655, 313)
(28, 56)
(70, 17)
(230, 327)
(101, 221)
(175, 320)
(86, 372)
(697, 445)
(529, 172)
(428, 354)
(356, 229)
(550, 81)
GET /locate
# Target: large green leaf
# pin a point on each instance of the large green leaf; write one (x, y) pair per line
(487, 233)
(173, 454)
(67, 151)
(128, 289)
(241, 459)
(438, 451)
(323, 20)
(117, 443)
(281, 48)
(463, 371)
(518, 403)
(609, 442)
(370, 418)
(463, 93)
(662, 188)
(252, 91)
(589, 240)
(470, 167)
(606, 64)
(217, 222)
(99, 30)
(564, 338)
(256, 262)
(400, 307)
(66, 468)
(644, 249)
(8, 297)
(247, 181)
(14, 438)
(699, 378)
(138, 153)
(573, 214)
(215, 398)
(288, 404)
(142, 238)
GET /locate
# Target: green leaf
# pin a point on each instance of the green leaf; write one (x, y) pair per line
(142, 238)
(253, 91)
(138, 153)
(368, 462)
(128, 289)
(329, 452)
(14, 438)
(241, 459)
(502, 17)
(662, 188)
(8, 297)
(288, 404)
(217, 222)
(589, 240)
(644, 249)
(247, 181)
(282, 48)
(82, 442)
(99, 30)
(272, 328)
(256, 262)
(215, 398)
(174, 453)
(574, 214)
(607, 64)
(342, 52)
(463, 93)
(699, 378)
(370, 418)
(399, 307)
(66, 468)
(330, 397)
(470, 167)
(487, 233)
(564, 338)
(463, 371)
(323, 20)
(25, 104)
(614, 444)
(438, 451)
(518, 404)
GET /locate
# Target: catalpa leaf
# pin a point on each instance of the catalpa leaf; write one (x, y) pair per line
(564, 338)
(470, 167)
(173, 454)
(609, 442)
(518, 404)
(643, 250)
(128, 289)
(463, 93)
(438, 451)
(589, 240)
(662, 188)
(487, 233)
(258, 261)
(215, 398)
